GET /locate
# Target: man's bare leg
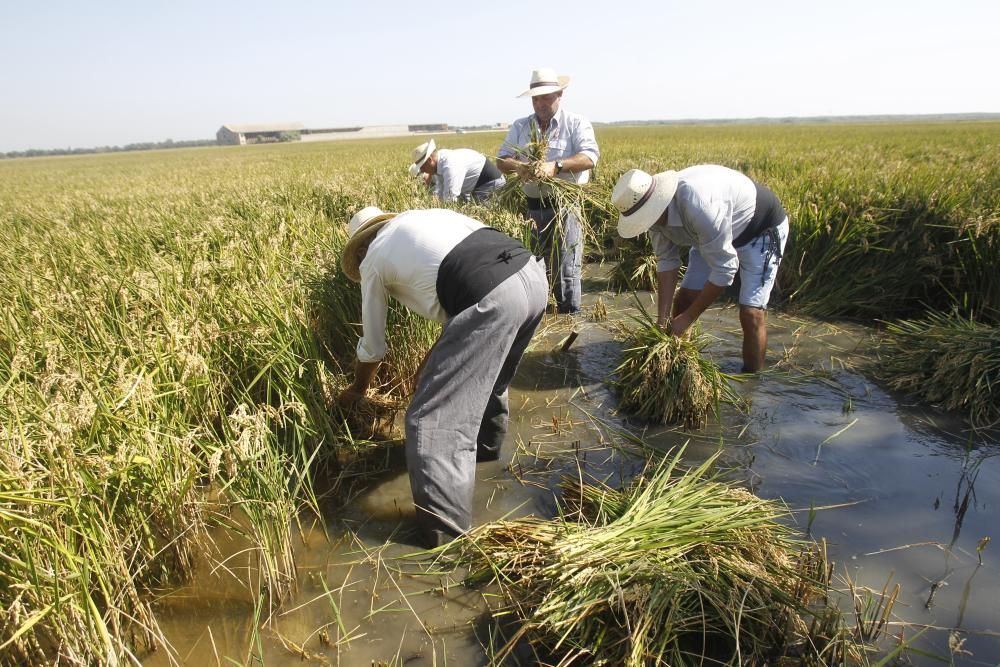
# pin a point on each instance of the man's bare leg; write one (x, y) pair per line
(754, 324)
(683, 300)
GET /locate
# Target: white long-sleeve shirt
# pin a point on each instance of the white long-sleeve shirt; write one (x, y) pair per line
(458, 170)
(712, 206)
(568, 134)
(402, 262)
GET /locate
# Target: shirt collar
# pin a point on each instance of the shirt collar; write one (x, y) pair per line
(555, 122)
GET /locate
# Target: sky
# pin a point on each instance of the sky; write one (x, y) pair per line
(108, 72)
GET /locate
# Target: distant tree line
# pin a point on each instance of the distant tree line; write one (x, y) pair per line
(143, 146)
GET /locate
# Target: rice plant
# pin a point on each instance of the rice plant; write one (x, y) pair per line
(945, 359)
(667, 380)
(678, 568)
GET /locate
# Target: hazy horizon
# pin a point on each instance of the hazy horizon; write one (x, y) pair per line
(117, 73)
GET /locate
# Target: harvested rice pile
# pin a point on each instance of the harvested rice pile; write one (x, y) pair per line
(667, 380)
(945, 360)
(371, 418)
(670, 571)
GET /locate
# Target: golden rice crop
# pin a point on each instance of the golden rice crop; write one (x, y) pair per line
(675, 569)
(667, 380)
(947, 360)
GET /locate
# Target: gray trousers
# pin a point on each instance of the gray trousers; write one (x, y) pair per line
(483, 192)
(563, 254)
(461, 397)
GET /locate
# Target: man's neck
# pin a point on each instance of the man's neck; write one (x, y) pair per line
(544, 125)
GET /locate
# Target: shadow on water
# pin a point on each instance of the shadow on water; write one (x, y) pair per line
(895, 489)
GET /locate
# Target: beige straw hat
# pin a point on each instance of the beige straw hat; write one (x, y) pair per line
(422, 152)
(641, 199)
(545, 81)
(363, 225)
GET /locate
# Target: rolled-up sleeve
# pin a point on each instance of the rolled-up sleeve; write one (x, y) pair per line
(374, 311)
(586, 141)
(668, 255)
(712, 224)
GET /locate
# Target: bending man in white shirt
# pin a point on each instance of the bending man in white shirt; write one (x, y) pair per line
(461, 173)
(490, 294)
(730, 222)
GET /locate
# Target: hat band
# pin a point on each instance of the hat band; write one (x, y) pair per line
(539, 84)
(642, 200)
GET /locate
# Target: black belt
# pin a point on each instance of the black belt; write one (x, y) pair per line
(489, 174)
(540, 204)
(768, 213)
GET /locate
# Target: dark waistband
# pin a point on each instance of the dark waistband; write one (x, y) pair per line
(480, 262)
(489, 174)
(767, 213)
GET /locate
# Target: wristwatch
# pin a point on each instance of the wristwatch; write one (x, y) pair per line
(559, 166)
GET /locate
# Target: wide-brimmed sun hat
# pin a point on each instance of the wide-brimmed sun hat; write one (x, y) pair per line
(422, 152)
(362, 227)
(545, 81)
(641, 199)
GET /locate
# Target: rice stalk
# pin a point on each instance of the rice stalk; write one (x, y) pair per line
(676, 569)
(945, 359)
(667, 380)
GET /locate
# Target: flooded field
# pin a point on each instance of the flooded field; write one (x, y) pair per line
(900, 493)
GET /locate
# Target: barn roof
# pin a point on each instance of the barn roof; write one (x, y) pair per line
(264, 127)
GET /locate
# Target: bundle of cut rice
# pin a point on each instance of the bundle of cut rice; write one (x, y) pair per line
(672, 570)
(666, 379)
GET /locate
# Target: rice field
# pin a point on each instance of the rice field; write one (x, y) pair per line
(174, 328)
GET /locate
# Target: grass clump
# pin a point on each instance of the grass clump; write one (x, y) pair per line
(667, 380)
(672, 570)
(945, 359)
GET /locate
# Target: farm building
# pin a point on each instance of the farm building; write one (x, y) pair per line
(238, 135)
(429, 127)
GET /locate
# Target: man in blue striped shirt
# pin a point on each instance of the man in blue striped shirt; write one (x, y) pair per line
(571, 153)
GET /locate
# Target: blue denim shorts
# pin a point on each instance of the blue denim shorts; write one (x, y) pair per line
(759, 262)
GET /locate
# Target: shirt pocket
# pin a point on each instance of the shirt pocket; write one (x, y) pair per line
(558, 148)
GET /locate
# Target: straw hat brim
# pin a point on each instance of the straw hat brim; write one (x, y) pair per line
(664, 187)
(545, 90)
(349, 261)
(431, 147)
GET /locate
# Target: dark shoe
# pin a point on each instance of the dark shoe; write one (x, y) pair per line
(486, 455)
(436, 538)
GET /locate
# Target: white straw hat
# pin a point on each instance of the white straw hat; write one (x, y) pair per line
(545, 81)
(641, 199)
(362, 226)
(422, 152)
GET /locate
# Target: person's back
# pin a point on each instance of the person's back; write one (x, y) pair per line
(406, 257)
(718, 184)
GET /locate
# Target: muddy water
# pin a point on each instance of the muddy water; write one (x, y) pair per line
(898, 491)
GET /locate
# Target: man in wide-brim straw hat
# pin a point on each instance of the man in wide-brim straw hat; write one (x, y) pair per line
(461, 173)
(490, 294)
(730, 222)
(572, 152)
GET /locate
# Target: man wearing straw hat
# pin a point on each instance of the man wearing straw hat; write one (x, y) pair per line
(571, 153)
(490, 294)
(730, 222)
(462, 173)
